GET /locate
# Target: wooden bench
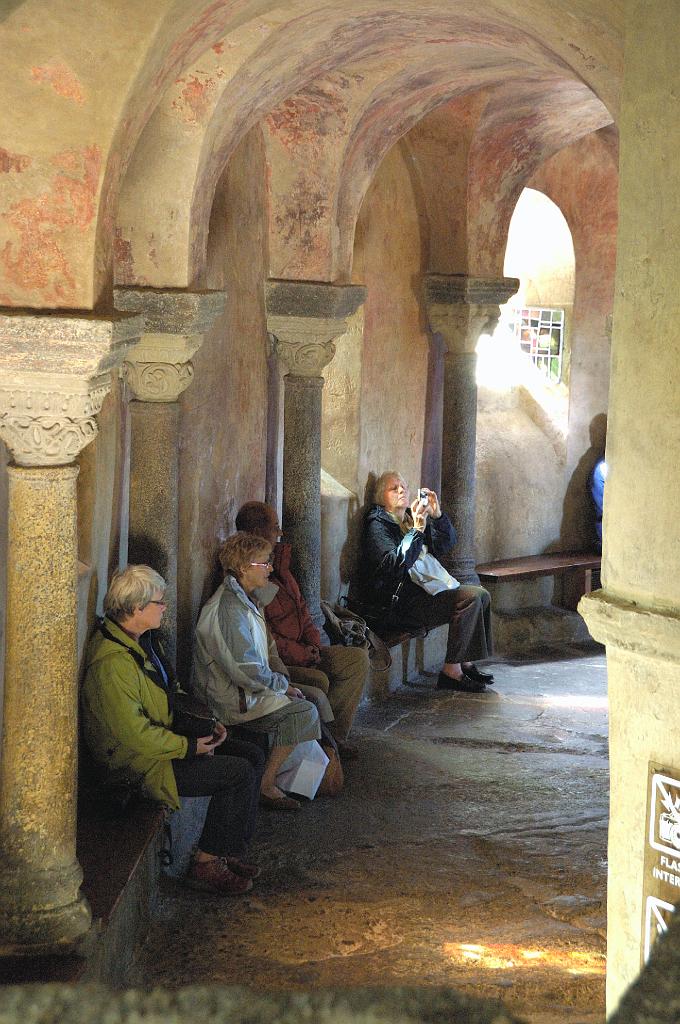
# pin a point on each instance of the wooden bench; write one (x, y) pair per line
(394, 637)
(551, 564)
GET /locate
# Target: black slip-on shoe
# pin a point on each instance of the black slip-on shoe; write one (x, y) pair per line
(463, 685)
(477, 676)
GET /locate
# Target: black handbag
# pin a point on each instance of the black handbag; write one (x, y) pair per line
(191, 717)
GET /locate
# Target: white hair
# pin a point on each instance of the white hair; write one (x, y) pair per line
(131, 588)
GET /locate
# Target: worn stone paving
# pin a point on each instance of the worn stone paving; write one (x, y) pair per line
(468, 849)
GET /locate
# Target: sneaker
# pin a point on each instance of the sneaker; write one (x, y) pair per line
(464, 685)
(239, 867)
(217, 877)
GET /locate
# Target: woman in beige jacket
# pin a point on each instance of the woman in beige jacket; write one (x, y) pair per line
(235, 659)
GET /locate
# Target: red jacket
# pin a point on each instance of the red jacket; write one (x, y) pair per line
(288, 615)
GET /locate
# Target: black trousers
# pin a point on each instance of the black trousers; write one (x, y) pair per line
(232, 780)
(467, 611)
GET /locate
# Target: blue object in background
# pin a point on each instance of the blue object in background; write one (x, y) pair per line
(596, 482)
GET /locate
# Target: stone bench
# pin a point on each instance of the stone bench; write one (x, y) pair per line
(120, 860)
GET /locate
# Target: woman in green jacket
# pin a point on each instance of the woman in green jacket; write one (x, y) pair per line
(127, 702)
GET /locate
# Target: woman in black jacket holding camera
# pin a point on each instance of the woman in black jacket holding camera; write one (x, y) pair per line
(405, 585)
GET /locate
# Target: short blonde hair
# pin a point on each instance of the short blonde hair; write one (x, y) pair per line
(131, 588)
(381, 484)
(240, 549)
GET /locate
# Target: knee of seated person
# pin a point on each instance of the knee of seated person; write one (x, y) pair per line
(313, 713)
(361, 654)
(316, 697)
(241, 773)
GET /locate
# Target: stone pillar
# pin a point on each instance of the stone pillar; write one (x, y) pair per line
(431, 462)
(272, 487)
(157, 371)
(56, 372)
(637, 613)
(305, 319)
(460, 309)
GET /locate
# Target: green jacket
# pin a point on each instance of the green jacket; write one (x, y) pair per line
(126, 719)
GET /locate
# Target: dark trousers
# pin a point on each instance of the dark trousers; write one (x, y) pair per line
(232, 780)
(467, 610)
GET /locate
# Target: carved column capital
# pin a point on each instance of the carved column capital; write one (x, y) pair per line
(637, 629)
(46, 420)
(56, 374)
(304, 320)
(159, 368)
(461, 308)
(304, 344)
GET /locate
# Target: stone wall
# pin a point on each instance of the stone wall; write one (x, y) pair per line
(520, 480)
(224, 412)
(388, 259)
(374, 395)
(531, 486)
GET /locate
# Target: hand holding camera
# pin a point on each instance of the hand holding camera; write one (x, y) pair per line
(432, 500)
(420, 509)
(426, 504)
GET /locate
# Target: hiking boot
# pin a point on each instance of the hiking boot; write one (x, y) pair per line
(217, 877)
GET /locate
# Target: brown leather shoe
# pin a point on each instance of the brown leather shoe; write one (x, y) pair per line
(240, 867)
(216, 876)
(348, 751)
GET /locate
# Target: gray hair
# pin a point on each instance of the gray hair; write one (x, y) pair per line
(381, 484)
(131, 588)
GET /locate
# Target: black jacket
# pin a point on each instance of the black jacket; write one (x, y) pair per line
(388, 555)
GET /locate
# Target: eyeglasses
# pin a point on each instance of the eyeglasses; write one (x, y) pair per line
(263, 565)
(164, 604)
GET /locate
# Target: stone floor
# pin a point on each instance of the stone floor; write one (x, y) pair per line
(468, 849)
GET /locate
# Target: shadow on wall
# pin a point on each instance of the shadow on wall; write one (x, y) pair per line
(350, 566)
(143, 550)
(577, 531)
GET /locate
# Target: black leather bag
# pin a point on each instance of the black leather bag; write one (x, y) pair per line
(191, 717)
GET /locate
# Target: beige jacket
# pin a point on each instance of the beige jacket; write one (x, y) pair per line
(238, 674)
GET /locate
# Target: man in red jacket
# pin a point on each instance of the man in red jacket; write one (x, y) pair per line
(339, 671)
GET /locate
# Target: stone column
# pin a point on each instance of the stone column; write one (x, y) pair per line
(431, 462)
(637, 613)
(305, 320)
(56, 372)
(460, 309)
(157, 371)
(272, 486)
